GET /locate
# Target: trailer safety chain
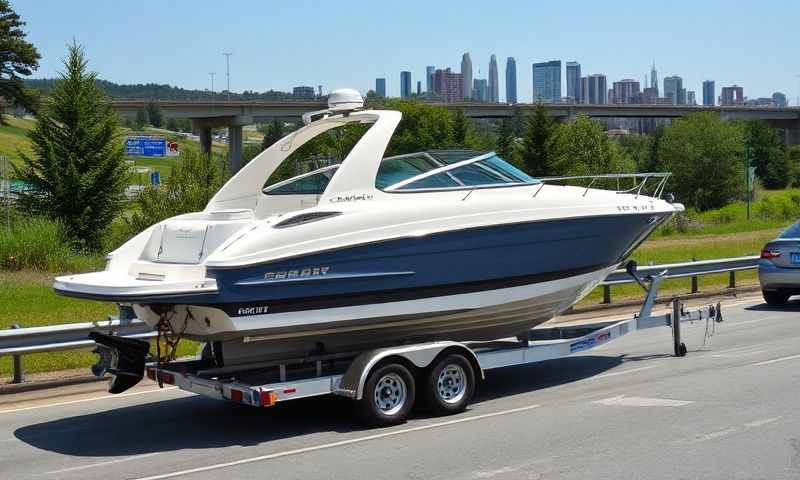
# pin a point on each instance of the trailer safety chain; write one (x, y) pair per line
(170, 338)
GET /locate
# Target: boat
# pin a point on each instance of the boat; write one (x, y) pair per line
(456, 245)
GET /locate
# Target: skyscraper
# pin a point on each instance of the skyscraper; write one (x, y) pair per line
(448, 85)
(466, 76)
(595, 92)
(480, 90)
(511, 80)
(708, 93)
(547, 81)
(691, 99)
(732, 96)
(494, 83)
(429, 78)
(574, 81)
(626, 91)
(673, 89)
(654, 78)
(779, 100)
(419, 87)
(405, 84)
(380, 87)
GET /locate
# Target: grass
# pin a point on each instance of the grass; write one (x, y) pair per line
(13, 138)
(771, 210)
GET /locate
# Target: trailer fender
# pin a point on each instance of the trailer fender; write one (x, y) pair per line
(420, 355)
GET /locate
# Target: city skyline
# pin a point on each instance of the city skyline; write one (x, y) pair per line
(761, 61)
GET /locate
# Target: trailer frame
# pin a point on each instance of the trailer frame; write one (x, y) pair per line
(347, 374)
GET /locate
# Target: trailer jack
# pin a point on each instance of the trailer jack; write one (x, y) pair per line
(123, 358)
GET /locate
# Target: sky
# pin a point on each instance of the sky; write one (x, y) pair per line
(279, 45)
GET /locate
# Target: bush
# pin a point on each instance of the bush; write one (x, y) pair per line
(39, 243)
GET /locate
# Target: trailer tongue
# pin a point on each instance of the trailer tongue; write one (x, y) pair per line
(386, 382)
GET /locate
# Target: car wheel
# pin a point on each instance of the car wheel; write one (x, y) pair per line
(775, 297)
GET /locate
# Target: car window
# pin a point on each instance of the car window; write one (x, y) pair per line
(792, 232)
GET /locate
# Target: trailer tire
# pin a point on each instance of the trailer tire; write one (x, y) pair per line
(449, 385)
(388, 396)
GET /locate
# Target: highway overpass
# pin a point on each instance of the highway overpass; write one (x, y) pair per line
(206, 115)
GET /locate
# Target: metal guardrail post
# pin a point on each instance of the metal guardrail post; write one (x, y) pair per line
(732, 279)
(695, 289)
(19, 374)
(606, 294)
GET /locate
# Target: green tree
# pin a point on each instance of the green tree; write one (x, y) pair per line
(768, 154)
(77, 170)
(18, 58)
(423, 127)
(462, 130)
(705, 155)
(141, 119)
(172, 124)
(794, 161)
(272, 133)
(195, 178)
(581, 147)
(154, 114)
(537, 145)
(638, 148)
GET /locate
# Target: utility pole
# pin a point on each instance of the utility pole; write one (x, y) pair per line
(228, 71)
(212, 83)
(798, 89)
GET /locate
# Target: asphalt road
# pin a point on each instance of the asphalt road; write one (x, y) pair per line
(729, 410)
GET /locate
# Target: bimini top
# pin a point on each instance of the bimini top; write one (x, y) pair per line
(432, 170)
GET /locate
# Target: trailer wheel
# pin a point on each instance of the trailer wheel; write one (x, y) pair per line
(449, 385)
(388, 396)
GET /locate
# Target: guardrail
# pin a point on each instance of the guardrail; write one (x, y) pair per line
(23, 341)
(691, 269)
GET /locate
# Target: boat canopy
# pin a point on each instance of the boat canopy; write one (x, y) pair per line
(431, 170)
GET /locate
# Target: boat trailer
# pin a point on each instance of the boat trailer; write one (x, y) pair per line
(385, 382)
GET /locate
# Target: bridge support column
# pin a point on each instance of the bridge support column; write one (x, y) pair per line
(235, 148)
(205, 140)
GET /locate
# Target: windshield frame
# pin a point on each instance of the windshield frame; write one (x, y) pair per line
(397, 187)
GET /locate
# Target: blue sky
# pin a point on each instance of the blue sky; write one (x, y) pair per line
(279, 45)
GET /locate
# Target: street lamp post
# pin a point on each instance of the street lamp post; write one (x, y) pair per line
(228, 71)
(212, 83)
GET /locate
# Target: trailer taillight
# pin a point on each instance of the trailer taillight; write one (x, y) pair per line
(268, 398)
(236, 395)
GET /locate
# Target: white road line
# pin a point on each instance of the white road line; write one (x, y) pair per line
(732, 430)
(336, 444)
(118, 395)
(625, 372)
(623, 401)
(776, 360)
(737, 354)
(101, 464)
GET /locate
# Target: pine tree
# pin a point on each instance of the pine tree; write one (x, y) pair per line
(77, 170)
(141, 119)
(18, 58)
(537, 144)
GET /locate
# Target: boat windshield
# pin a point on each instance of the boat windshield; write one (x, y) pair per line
(487, 170)
(423, 171)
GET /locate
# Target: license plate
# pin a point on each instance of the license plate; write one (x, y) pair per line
(795, 258)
